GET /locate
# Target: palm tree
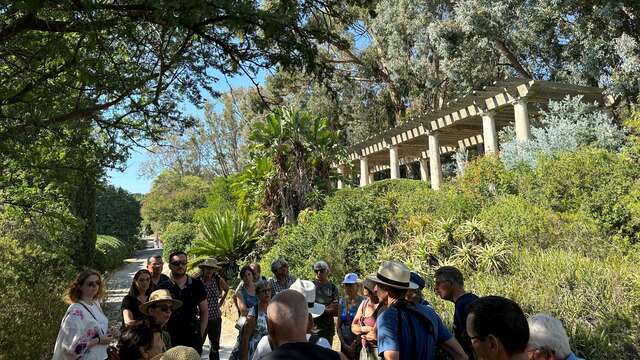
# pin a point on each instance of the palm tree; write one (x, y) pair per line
(301, 148)
(228, 236)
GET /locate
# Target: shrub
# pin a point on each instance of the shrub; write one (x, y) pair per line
(31, 283)
(597, 300)
(567, 125)
(118, 215)
(110, 252)
(177, 237)
(346, 234)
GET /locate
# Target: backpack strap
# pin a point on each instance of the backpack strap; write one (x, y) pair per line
(403, 306)
(314, 338)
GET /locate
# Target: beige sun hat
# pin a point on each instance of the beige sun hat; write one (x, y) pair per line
(308, 289)
(394, 274)
(180, 353)
(162, 295)
(210, 262)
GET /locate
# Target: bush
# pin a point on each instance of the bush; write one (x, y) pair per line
(346, 234)
(32, 281)
(177, 237)
(597, 300)
(110, 252)
(118, 215)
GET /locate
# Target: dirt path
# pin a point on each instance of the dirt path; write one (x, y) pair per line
(118, 284)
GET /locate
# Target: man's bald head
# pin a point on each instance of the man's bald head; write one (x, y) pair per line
(288, 317)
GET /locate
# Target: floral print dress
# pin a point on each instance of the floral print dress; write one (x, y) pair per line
(79, 326)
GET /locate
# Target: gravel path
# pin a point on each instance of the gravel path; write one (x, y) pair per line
(118, 284)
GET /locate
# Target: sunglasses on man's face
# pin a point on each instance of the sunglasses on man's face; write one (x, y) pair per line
(164, 308)
(178, 263)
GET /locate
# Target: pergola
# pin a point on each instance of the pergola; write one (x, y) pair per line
(472, 120)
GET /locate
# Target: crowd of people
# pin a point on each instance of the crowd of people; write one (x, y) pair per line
(381, 316)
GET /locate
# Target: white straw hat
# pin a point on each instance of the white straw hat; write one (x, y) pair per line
(161, 295)
(395, 275)
(308, 289)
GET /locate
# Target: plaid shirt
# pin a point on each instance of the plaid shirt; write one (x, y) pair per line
(213, 297)
(277, 286)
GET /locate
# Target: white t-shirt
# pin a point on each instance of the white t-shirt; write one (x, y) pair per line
(264, 348)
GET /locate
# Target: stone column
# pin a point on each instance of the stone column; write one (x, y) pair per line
(521, 114)
(489, 133)
(393, 162)
(434, 161)
(364, 171)
(424, 170)
(341, 174)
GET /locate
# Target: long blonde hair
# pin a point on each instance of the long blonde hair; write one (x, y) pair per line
(73, 292)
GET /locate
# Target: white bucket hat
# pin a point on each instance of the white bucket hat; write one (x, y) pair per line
(308, 289)
(395, 275)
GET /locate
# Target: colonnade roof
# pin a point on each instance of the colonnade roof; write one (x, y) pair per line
(459, 123)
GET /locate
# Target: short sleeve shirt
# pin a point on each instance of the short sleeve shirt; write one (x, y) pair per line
(213, 297)
(325, 294)
(460, 322)
(191, 295)
(410, 338)
(278, 287)
(131, 303)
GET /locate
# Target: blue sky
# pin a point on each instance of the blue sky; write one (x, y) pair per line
(130, 180)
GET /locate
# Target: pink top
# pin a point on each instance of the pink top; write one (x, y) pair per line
(366, 320)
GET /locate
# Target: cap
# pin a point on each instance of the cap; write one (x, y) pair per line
(351, 278)
(417, 279)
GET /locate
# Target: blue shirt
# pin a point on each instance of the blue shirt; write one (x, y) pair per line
(413, 334)
(573, 356)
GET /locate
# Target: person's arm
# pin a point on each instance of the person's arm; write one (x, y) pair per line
(204, 317)
(332, 308)
(355, 324)
(249, 326)
(224, 287)
(391, 355)
(454, 349)
(127, 315)
(242, 306)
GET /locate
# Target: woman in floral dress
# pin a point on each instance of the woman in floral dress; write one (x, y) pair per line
(83, 332)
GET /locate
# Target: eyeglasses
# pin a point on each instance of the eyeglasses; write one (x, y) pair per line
(319, 270)
(93, 283)
(164, 308)
(178, 263)
(265, 290)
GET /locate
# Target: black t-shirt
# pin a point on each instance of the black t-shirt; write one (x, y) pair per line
(184, 320)
(132, 304)
(162, 279)
(302, 351)
(460, 322)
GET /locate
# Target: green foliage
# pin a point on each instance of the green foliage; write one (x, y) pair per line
(345, 233)
(118, 215)
(177, 237)
(301, 148)
(228, 236)
(567, 125)
(32, 281)
(174, 198)
(110, 252)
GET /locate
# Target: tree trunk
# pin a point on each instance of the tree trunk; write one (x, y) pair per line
(84, 208)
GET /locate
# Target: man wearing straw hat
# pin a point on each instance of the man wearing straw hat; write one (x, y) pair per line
(405, 330)
(217, 290)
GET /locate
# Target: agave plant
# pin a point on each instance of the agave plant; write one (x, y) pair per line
(228, 236)
(465, 255)
(493, 257)
(472, 230)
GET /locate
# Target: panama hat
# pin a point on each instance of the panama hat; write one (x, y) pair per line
(180, 353)
(308, 289)
(162, 295)
(394, 274)
(210, 262)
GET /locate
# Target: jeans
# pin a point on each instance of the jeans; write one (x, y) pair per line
(214, 328)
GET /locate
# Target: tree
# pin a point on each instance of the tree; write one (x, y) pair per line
(174, 198)
(301, 148)
(118, 214)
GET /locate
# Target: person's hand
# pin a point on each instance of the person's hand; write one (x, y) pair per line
(365, 329)
(370, 336)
